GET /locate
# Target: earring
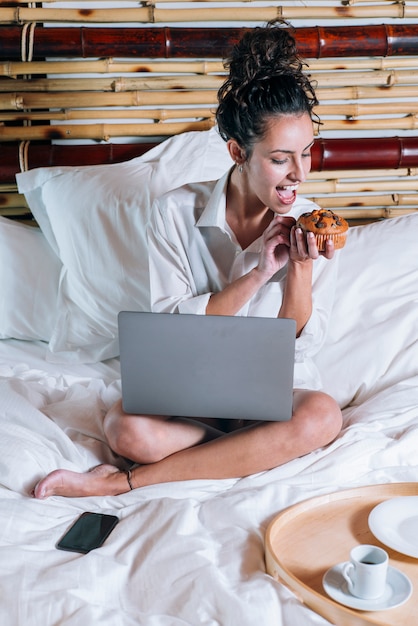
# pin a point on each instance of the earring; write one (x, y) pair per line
(240, 169)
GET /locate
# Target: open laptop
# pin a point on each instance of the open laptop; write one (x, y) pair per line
(207, 366)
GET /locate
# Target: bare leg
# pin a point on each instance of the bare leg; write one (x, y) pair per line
(316, 421)
(150, 438)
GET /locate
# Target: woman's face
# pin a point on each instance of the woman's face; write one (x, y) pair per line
(280, 162)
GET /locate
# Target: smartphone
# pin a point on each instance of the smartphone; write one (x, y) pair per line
(88, 532)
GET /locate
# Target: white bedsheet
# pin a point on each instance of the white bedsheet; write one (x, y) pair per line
(187, 553)
(192, 553)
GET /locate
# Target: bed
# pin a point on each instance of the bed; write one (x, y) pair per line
(74, 254)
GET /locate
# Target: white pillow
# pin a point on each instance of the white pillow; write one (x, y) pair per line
(29, 275)
(94, 218)
(373, 334)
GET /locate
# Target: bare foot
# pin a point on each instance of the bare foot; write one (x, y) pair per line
(103, 480)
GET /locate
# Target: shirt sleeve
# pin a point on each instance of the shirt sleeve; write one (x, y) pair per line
(172, 285)
(314, 334)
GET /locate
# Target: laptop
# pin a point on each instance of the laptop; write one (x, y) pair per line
(207, 366)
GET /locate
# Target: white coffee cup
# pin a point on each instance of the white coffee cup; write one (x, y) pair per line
(366, 572)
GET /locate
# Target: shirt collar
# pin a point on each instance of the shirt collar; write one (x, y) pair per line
(214, 213)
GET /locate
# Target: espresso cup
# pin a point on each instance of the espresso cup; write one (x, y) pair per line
(366, 572)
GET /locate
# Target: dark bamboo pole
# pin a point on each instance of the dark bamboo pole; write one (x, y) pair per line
(327, 154)
(365, 153)
(176, 42)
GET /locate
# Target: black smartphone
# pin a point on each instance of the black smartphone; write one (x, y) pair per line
(88, 532)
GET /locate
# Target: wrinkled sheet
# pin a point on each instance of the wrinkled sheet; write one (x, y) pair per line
(186, 553)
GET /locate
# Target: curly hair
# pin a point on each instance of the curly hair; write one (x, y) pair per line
(266, 79)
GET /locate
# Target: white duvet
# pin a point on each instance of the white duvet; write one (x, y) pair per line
(192, 553)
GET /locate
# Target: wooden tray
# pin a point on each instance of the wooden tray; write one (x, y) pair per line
(305, 540)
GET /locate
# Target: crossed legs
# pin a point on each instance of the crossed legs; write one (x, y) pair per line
(172, 449)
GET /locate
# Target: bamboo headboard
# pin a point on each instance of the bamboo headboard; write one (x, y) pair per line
(82, 85)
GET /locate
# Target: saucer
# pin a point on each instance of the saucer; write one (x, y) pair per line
(398, 590)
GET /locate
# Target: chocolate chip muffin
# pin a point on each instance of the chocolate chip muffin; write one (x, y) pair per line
(325, 224)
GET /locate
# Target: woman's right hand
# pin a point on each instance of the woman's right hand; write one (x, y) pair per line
(275, 245)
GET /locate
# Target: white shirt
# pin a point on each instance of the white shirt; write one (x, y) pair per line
(193, 253)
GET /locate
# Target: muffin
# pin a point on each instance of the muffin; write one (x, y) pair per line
(325, 224)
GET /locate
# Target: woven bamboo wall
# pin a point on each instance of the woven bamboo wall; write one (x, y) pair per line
(83, 85)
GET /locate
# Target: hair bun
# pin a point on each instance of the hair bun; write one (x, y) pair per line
(262, 53)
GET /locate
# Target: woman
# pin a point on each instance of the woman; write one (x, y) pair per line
(231, 248)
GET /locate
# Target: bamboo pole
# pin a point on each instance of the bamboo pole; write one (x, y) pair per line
(17, 213)
(336, 157)
(360, 201)
(194, 42)
(47, 155)
(336, 186)
(119, 83)
(147, 114)
(325, 81)
(409, 122)
(367, 154)
(153, 15)
(369, 78)
(370, 63)
(374, 214)
(377, 3)
(10, 200)
(345, 110)
(108, 65)
(363, 174)
(101, 132)
(108, 130)
(340, 3)
(405, 199)
(365, 93)
(13, 101)
(8, 188)
(19, 101)
(354, 110)
(366, 200)
(348, 2)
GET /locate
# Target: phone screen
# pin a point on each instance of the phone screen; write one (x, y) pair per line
(88, 532)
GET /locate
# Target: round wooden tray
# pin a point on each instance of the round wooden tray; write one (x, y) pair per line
(305, 540)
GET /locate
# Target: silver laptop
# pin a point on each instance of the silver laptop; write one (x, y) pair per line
(207, 366)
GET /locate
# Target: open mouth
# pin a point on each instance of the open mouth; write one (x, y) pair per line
(287, 194)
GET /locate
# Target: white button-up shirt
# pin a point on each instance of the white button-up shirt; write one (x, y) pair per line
(193, 253)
